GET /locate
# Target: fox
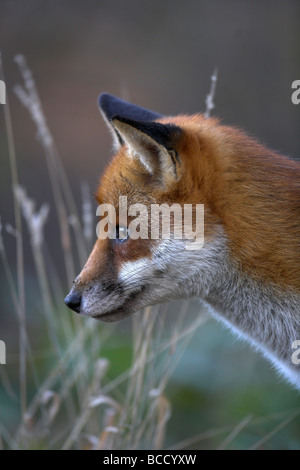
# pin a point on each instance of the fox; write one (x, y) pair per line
(247, 271)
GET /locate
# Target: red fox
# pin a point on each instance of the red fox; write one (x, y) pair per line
(248, 269)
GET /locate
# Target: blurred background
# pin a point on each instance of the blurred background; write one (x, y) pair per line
(160, 55)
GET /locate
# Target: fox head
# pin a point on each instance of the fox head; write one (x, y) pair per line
(156, 162)
(181, 162)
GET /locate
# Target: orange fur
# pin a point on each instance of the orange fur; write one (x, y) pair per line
(251, 190)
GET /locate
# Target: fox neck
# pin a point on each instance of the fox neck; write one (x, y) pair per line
(263, 314)
(254, 193)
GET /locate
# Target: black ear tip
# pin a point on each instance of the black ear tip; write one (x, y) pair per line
(110, 105)
(104, 99)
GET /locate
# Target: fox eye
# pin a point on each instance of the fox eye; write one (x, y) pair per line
(122, 233)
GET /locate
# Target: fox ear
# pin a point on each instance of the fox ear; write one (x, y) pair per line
(111, 106)
(153, 144)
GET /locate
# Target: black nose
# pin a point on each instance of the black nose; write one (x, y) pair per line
(73, 300)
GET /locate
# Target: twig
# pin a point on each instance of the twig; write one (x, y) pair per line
(209, 101)
(36, 222)
(274, 431)
(30, 99)
(234, 433)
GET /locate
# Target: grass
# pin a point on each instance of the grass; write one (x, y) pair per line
(75, 404)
